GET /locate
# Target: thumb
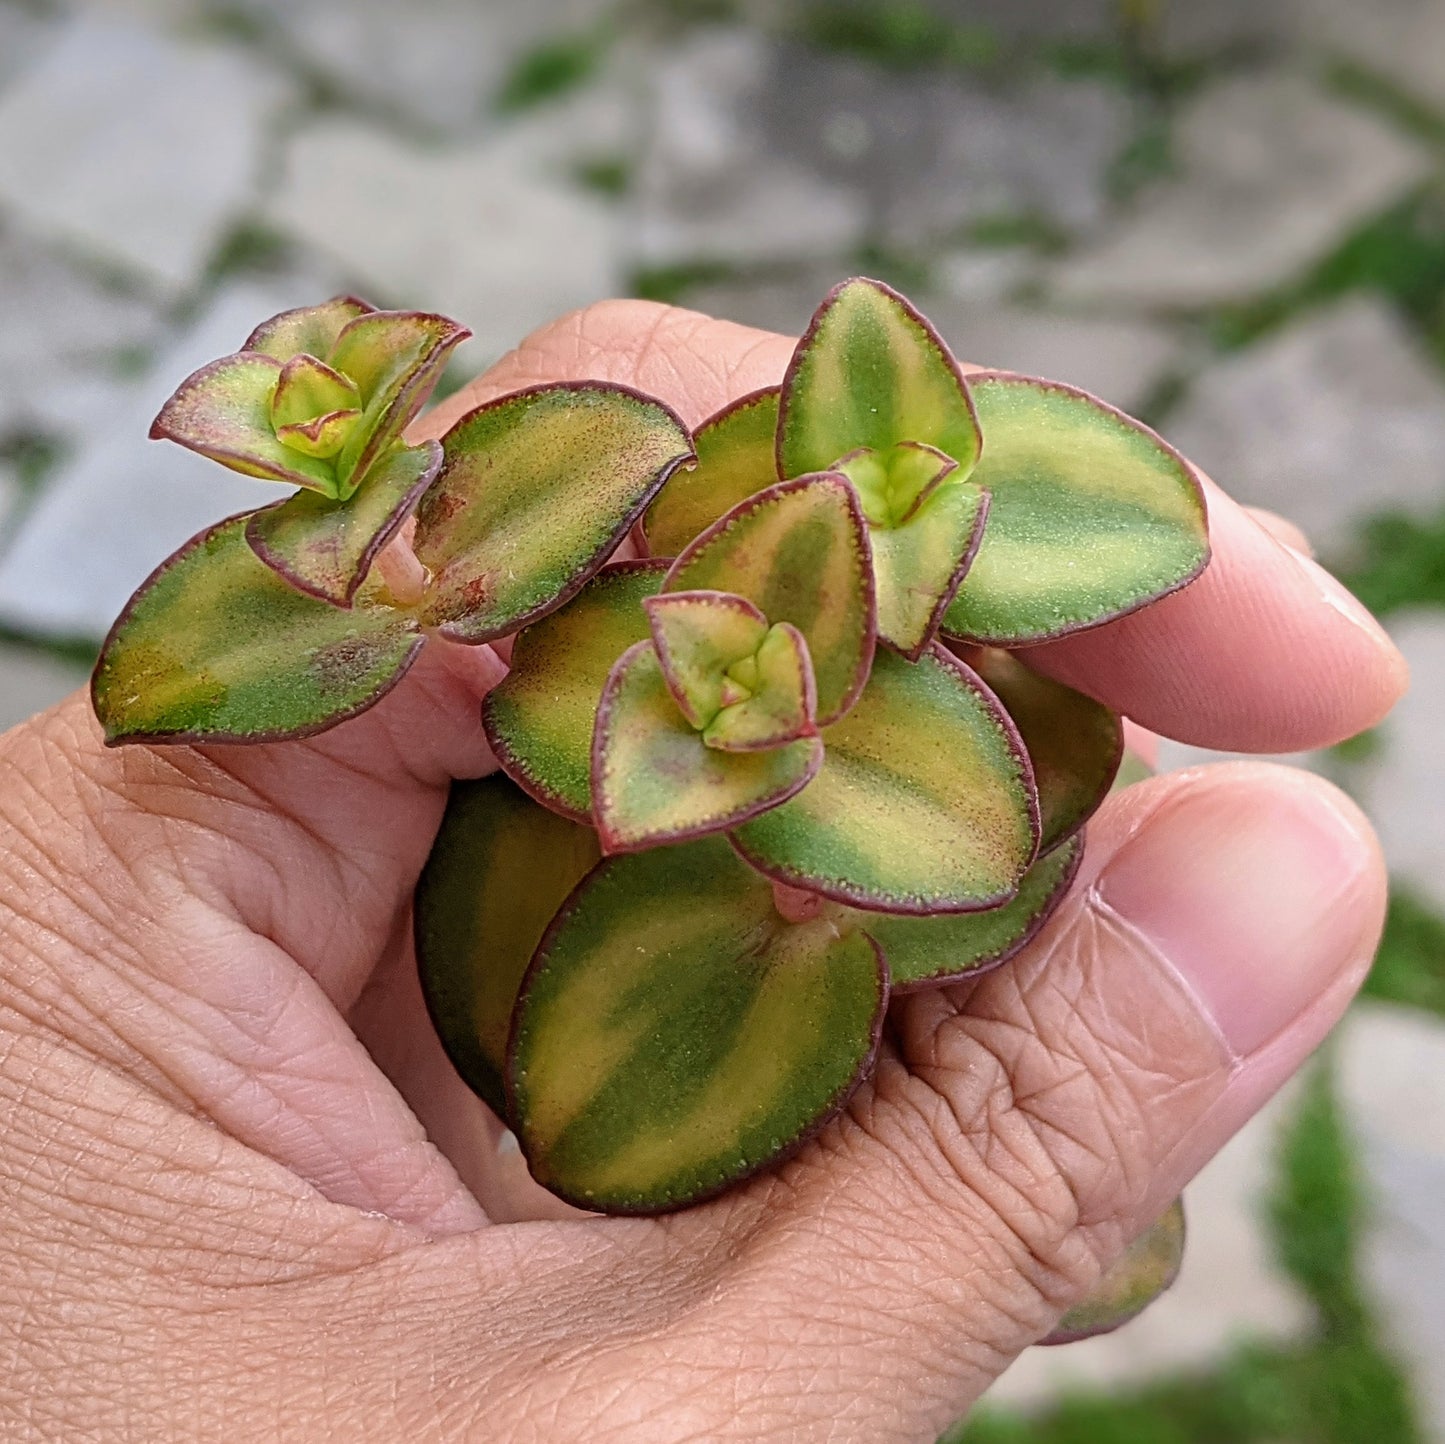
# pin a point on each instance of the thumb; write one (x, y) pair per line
(1025, 1128)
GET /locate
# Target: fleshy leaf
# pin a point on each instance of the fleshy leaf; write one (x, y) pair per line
(396, 359)
(893, 484)
(215, 647)
(736, 457)
(308, 388)
(536, 491)
(870, 371)
(674, 1035)
(1092, 515)
(925, 801)
(321, 437)
(698, 636)
(1145, 1272)
(326, 547)
(654, 779)
(223, 411)
(919, 565)
(926, 952)
(308, 330)
(1074, 742)
(500, 868)
(781, 704)
(799, 551)
(540, 718)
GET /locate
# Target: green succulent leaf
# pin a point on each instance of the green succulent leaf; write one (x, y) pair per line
(924, 952)
(871, 372)
(919, 564)
(698, 636)
(925, 802)
(540, 718)
(674, 1035)
(655, 780)
(308, 388)
(395, 358)
(893, 484)
(223, 411)
(326, 547)
(736, 457)
(215, 647)
(537, 489)
(1092, 515)
(1144, 1273)
(776, 702)
(500, 868)
(799, 551)
(1074, 742)
(308, 330)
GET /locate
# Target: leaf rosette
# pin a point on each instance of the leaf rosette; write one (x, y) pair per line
(752, 784)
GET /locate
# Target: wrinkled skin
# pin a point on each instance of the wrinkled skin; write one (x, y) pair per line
(227, 1219)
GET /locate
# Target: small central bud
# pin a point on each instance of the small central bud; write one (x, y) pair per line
(891, 483)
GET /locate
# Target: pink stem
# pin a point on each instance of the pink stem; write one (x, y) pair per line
(795, 905)
(402, 574)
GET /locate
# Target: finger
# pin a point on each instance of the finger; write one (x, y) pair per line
(1266, 652)
(1027, 1127)
(1282, 529)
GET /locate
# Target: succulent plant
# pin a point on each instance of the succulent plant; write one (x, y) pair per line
(753, 783)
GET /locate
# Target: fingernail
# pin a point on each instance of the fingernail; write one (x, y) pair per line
(1352, 609)
(1255, 890)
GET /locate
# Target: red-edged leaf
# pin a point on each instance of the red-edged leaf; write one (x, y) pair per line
(223, 411)
(654, 779)
(799, 551)
(781, 704)
(326, 547)
(308, 330)
(698, 636)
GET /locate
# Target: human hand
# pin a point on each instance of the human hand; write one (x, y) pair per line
(227, 1218)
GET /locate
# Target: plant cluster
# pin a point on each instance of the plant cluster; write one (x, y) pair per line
(782, 765)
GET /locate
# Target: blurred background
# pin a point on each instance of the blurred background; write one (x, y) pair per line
(1227, 216)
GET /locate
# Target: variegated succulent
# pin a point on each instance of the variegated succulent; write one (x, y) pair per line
(787, 763)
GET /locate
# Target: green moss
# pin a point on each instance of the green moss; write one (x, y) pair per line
(551, 70)
(1410, 966)
(1400, 563)
(672, 284)
(898, 34)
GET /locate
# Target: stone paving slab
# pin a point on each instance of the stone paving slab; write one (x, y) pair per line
(1336, 417)
(1391, 1062)
(57, 324)
(151, 147)
(122, 503)
(1403, 40)
(1271, 173)
(30, 681)
(480, 232)
(1197, 1321)
(1402, 787)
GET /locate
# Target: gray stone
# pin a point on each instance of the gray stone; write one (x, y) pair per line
(1187, 28)
(1334, 418)
(134, 148)
(9, 503)
(121, 503)
(1404, 40)
(1271, 174)
(59, 325)
(440, 63)
(1391, 1061)
(709, 186)
(1118, 360)
(481, 232)
(23, 30)
(1402, 785)
(31, 681)
(1037, 19)
(1228, 1289)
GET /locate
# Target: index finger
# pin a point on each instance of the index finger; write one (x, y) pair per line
(1264, 653)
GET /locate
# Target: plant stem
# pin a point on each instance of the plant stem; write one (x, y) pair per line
(795, 905)
(404, 577)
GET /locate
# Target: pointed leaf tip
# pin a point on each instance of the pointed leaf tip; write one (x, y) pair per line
(799, 551)
(870, 371)
(654, 779)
